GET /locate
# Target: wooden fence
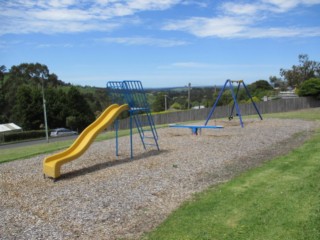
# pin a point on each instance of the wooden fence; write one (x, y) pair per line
(274, 106)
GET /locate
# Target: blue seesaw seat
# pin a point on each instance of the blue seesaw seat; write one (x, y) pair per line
(194, 128)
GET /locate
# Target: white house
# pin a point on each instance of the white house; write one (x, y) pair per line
(198, 107)
(8, 127)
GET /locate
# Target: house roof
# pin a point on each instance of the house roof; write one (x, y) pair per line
(9, 127)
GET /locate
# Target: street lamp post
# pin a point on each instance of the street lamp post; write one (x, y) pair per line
(45, 111)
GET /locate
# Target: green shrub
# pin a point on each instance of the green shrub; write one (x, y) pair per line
(176, 106)
(310, 87)
(20, 136)
(255, 99)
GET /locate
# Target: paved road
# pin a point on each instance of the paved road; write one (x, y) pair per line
(35, 142)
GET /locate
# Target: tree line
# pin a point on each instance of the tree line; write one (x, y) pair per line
(23, 88)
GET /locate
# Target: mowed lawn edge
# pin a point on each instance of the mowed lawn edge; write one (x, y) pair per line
(23, 153)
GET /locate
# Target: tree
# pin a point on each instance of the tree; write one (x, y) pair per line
(3, 118)
(261, 85)
(78, 108)
(176, 106)
(159, 102)
(310, 87)
(56, 101)
(255, 99)
(2, 71)
(31, 74)
(278, 83)
(298, 74)
(259, 89)
(225, 99)
(28, 111)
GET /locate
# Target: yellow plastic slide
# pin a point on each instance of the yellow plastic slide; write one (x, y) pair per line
(52, 164)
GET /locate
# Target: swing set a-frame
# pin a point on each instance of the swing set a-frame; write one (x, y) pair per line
(229, 84)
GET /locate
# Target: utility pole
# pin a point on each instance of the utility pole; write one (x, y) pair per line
(44, 110)
(165, 103)
(189, 90)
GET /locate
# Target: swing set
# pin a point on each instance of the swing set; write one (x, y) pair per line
(235, 106)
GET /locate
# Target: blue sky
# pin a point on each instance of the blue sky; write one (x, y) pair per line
(163, 43)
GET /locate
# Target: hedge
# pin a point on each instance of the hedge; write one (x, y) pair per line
(20, 136)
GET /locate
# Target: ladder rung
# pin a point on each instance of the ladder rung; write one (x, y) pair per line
(150, 144)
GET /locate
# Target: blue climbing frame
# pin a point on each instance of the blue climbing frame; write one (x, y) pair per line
(229, 83)
(133, 94)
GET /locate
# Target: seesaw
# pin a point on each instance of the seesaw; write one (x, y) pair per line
(194, 128)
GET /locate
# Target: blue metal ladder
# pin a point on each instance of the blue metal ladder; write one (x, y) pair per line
(132, 93)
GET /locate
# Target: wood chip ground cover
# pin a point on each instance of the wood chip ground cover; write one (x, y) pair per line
(101, 196)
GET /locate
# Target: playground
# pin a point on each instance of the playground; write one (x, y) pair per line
(103, 196)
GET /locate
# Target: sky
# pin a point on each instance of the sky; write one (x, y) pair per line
(163, 43)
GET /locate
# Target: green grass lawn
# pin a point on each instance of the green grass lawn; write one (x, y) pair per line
(11, 154)
(306, 114)
(30, 151)
(280, 200)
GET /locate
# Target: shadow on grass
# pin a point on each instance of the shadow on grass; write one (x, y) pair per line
(101, 166)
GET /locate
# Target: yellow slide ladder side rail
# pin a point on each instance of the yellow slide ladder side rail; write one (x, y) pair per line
(81, 136)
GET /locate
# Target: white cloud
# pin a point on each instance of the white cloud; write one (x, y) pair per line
(281, 32)
(227, 27)
(206, 27)
(190, 65)
(245, 20)
(202, 4)
(60, 16)
(286, 5)
(241, 9)
(234, 19)
(60, 3)
(49, 45)
(144, 41)
(150, 4)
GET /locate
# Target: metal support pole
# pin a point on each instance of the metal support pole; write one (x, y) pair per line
(45, 112)
(215, 103)
(116, 125)
(236, 103)
(165, 103)
(131, 145)
(238, 88)
(254, 104)
(189, 93)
